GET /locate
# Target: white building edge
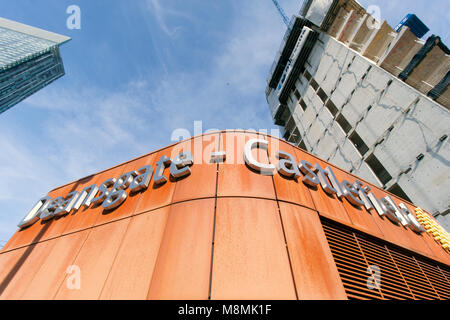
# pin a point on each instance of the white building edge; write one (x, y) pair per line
(33, 31)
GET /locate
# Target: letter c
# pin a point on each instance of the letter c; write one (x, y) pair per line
(264, 168)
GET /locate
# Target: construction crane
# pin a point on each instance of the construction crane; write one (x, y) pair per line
(280, 10)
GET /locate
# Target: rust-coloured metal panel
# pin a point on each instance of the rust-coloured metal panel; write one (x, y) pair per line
(158, 244)
(328, 205)
(22, 272)
(235, 178)
(398, 234)
(315, 273)
(10, 263)
(26, 236)
(132, 271)
(86, 217)
(67, 220)
(203, 173)
(128, 207)
(288, 189)
(57, 225)
(49, 276)
(95, 260)
(250, 257)
(158, 195)
(359, 216)
(184, 259)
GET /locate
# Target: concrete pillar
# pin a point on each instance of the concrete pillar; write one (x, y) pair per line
(427, 74)
(339, 22)
(400, 52)
(349, 28)
(362, 34)
(378, 42)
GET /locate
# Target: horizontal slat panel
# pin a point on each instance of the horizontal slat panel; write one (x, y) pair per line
(413, 275)
(439, 283)
(350, 263)
(403, 275)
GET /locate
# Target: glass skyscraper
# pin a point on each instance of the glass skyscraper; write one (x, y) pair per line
(29, 60)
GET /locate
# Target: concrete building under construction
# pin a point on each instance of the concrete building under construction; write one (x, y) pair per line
(369, 98)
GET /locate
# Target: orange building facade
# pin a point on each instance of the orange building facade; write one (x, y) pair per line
(221, 229)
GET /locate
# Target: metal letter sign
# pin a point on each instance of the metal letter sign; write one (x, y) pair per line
(112, 192)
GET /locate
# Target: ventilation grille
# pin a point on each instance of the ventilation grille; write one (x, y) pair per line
(401, 276)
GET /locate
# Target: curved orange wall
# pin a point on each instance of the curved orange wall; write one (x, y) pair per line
(223, 232)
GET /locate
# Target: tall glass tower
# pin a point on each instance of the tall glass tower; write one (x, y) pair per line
(29, 60)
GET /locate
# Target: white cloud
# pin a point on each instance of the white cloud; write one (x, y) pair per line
(160, 13)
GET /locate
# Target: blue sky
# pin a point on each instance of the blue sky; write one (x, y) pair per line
(137, 70)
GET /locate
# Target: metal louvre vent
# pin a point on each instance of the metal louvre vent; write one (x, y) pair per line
(402, 275)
